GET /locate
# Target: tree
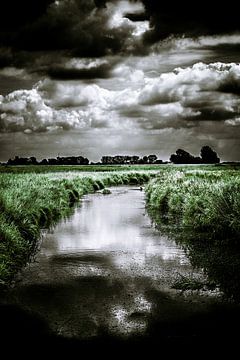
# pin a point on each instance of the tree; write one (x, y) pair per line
(152, 159)
(209, 156)
(183, 157)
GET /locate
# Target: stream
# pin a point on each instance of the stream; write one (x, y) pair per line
(106, 271)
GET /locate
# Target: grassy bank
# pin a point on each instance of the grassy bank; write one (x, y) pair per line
(30, 202)
(205, 201)
(200, 209)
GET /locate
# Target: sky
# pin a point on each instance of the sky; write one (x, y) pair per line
(97, 77)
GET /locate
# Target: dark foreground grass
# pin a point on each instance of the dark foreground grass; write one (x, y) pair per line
(30, 202)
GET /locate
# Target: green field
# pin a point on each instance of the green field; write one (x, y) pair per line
(74, 168)
(203, 199)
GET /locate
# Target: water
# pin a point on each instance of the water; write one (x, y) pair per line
(106, 269)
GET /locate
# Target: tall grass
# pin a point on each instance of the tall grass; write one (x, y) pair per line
(199, 200)
(20, 169)
(30, 202)
(200, 209)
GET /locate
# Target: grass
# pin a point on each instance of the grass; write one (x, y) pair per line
(200, 209)
(30, 202)
(201, 200)
(74, 168)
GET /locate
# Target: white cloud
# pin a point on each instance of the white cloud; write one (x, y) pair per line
(204, 41)
(25, 110)
(117, 19)
(233, 122)
(88, 63)
(197, 88)
(184, 82)
(15, 72)
(176, 99)
(71, 94)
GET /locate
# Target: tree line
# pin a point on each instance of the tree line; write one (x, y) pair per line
(207, 156)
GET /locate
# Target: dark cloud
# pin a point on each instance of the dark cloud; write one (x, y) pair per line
(232, 87)
(204, 18)
(62, 73)
(76, 27)
(223, 48)
(223, 52)
(11, 83)
(142, 16)
(14, 13)
(80, 28)
(212, 114)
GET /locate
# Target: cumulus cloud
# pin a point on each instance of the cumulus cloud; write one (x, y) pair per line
(126, 14)
(201, 89)
(179, 99)
(25, 110)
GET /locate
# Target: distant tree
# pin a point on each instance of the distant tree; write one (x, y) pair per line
(85, 161)
(107, 160)
(33, 160)
(152, 159)
(44, 162)
(184, 157)
(23, 161)
(145, 159)
(53, 161)
(134, 159)
(209, 156)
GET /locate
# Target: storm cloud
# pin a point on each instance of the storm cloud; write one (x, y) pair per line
(183, 18)
(75, 28)
(44, 35)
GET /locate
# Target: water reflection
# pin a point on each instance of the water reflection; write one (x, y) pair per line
(218, 258)
(107, 268)
(116, 226)
(116, 222)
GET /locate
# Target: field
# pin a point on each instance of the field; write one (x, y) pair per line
(73, 168)
(196, 200)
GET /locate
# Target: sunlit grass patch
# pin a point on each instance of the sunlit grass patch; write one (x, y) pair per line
(200, 200)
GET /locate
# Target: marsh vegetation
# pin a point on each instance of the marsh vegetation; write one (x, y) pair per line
(200, 208)
(30, 202)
